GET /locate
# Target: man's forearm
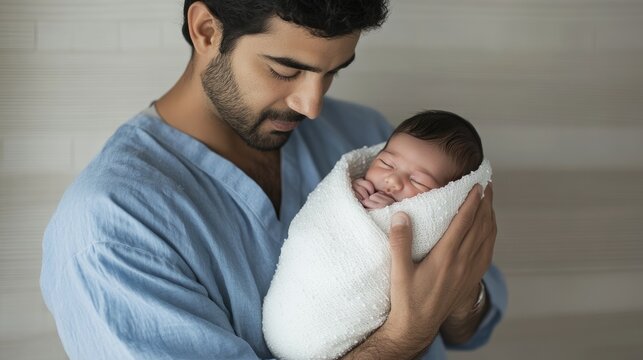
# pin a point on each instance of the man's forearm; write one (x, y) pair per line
(456, 329)
(380, 346)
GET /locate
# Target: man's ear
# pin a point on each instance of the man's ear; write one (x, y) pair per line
(205, 29)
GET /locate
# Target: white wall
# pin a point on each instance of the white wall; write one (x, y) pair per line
(554, 87)
(550, 84)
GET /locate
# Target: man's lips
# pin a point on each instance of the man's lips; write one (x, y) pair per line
(283, 125)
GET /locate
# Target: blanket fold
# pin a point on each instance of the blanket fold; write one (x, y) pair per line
(331, 287)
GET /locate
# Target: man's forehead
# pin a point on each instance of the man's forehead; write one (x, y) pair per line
(278, 28)
(275, 24)
(293, 43)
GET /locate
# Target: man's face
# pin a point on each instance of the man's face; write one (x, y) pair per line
(223, 91)
(270, 82)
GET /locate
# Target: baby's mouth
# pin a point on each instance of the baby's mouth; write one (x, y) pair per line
(388, 195)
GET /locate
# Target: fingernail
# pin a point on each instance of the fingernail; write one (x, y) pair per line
(399, 218)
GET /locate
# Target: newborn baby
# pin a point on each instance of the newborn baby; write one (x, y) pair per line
(331, 286)
(412, 164)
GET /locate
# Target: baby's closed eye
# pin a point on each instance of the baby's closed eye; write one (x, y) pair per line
(421, 186)
(385, 164)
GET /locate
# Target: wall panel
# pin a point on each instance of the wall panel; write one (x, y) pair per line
(554, 87)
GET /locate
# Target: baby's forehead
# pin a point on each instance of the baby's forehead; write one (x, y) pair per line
(424, 156)
(400, 144)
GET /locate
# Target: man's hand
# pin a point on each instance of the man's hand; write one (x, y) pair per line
(425, 294)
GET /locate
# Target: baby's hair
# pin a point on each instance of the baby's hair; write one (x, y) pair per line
(455, 135)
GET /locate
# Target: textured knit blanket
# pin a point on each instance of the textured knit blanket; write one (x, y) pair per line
(331, 287)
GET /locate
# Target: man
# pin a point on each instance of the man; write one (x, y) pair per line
(165, 245)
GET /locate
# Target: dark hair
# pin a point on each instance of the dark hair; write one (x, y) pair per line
(324, 18)
(455, 135)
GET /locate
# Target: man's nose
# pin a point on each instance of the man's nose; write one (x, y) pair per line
(308, 98)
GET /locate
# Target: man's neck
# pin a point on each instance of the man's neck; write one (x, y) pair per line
(185, 107)
(266, 172)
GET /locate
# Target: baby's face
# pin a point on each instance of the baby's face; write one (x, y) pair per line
(409, 166)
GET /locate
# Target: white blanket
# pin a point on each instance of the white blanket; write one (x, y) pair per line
(331, 286)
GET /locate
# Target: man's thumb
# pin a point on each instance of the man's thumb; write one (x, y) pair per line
(400, 239)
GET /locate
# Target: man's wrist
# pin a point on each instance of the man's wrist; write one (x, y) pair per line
(482, 297)
(460, 326)
(473, 303)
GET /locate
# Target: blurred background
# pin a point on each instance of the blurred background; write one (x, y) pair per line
(555, 88)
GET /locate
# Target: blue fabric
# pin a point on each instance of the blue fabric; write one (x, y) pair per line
(161, 249)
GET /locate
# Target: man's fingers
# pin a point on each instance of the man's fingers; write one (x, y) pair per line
(484, 227)
(491, 240)
(484, 233)
(463, 220)
(488, 191)
(400, 240)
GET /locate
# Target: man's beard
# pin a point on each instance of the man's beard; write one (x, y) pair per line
(222, 90)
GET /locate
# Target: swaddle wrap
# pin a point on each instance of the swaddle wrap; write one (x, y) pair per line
(331, 287)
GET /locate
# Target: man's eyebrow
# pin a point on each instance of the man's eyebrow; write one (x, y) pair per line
(292, 63)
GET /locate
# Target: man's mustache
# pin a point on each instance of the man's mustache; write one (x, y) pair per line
(289, 116)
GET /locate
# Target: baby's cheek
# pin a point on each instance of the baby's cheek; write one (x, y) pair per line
(413, 192)
(373, 175)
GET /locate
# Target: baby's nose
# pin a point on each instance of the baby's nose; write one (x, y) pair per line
(393, 183)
